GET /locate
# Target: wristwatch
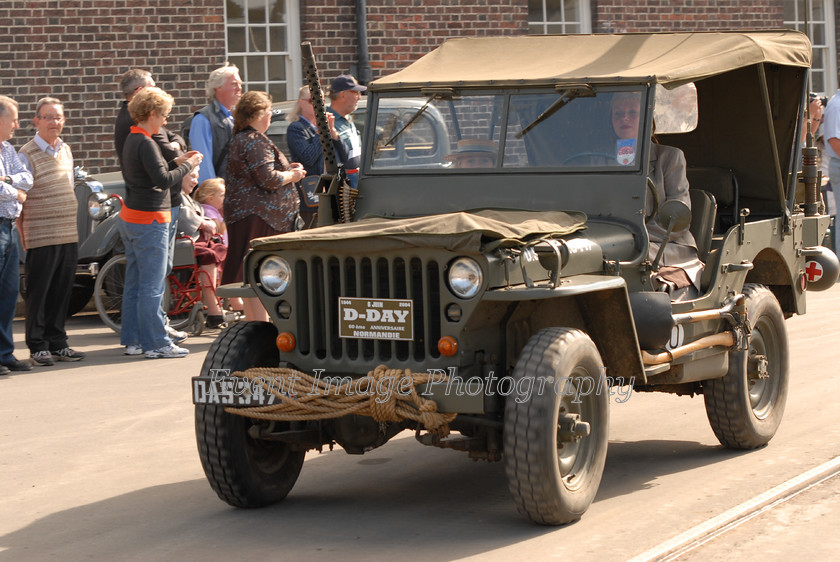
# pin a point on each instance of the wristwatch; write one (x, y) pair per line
(7, 179)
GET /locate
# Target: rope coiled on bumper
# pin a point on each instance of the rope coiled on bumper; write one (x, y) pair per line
(386, 395)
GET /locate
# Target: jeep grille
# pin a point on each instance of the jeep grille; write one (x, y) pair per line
(321, 281)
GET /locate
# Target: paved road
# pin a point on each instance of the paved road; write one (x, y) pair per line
(98, 461)
(806, 525)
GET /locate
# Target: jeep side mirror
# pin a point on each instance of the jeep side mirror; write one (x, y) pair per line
(676, 211)
(673, 216)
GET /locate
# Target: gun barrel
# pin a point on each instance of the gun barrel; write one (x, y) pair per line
(327, 189)
(314, 83)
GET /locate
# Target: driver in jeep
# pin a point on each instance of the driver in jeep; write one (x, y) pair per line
(473, 153)
(680, 268)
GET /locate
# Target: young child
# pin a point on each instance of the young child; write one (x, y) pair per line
(211, 195)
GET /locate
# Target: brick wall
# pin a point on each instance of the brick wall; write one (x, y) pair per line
(620, 16)
(76, 50)
(401, 31)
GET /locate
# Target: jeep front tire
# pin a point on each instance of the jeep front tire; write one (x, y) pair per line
(243, 471)
(555, 440)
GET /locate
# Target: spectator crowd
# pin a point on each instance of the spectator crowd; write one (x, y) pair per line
(221, 182)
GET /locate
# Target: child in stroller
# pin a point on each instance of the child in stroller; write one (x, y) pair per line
(210, 250)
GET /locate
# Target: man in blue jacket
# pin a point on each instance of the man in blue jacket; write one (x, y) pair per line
(211, 127)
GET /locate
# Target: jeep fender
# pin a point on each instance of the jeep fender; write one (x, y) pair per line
(597, 304)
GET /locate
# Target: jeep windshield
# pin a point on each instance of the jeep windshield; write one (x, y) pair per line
(569, 129)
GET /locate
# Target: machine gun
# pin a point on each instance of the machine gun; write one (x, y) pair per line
(336, 199)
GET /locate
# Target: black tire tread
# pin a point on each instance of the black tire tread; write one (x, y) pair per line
(214, 426)
(728, 413)
(530, 479)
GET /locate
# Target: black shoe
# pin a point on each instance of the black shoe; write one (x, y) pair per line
(4, 370)
(18, 365)
(67, 354)
(216, 321)
(42, 358)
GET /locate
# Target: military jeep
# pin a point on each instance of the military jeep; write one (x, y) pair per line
(526, 286)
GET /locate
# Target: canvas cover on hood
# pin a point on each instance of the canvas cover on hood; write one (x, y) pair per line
(459, 232)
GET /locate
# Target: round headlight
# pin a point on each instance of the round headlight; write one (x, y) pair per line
(465, 278)
(275, 275)
(98, 209)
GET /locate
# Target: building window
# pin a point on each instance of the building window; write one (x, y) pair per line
(262, 39)
(821, 31)
(558, 16)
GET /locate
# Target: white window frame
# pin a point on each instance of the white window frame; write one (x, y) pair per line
(830, 47)
(583, 7)
(291, 56)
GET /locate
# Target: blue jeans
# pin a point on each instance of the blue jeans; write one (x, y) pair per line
(146, 251)
(9, 286)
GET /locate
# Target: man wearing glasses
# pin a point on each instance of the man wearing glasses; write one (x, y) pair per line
(171, 143)
(302, 136)
(48, 232)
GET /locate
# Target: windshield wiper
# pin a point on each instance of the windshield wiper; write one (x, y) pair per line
(436, 94)
(566, 95)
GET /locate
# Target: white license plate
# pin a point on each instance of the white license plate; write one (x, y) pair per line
(230, 391)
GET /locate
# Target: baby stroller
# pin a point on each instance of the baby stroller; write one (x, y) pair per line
(183, 302)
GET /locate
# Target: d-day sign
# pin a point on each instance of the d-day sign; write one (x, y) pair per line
(376, 319)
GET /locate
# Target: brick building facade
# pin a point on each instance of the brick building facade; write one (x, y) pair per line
(76, 50)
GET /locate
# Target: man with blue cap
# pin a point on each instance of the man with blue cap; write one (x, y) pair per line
(345, 93)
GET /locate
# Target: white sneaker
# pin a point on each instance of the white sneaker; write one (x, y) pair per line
(133, 350)
(167, 352)
(175, 335)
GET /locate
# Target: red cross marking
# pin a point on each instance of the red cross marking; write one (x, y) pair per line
(814, 271)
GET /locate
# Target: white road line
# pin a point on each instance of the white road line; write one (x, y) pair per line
(739, 512)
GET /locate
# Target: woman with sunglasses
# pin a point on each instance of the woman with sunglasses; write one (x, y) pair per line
(144, 226)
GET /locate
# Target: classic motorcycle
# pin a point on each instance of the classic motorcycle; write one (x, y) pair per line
(99, 237)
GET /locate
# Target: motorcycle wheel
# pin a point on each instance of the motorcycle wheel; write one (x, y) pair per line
(108, 292)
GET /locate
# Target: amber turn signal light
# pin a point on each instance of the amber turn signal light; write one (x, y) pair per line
(285, 342)
(448, 346)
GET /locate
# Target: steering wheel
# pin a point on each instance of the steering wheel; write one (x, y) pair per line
(605, 156)
(654, 198)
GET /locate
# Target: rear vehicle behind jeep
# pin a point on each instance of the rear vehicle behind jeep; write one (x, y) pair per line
(521, 292)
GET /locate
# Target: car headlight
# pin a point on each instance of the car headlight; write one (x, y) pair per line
(275, 275)
(465, 278)
(99, 207)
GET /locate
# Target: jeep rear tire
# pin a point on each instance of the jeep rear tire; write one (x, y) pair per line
(552, 476)
(243, 471)
(745, 411)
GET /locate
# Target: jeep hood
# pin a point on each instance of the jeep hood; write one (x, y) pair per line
(458, 232)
